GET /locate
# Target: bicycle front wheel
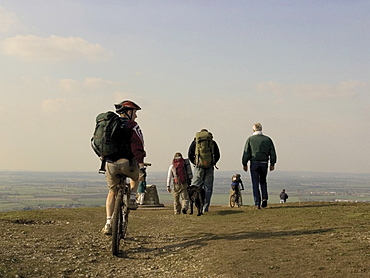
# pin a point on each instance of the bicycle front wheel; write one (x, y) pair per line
(117, 221)
(232, 200)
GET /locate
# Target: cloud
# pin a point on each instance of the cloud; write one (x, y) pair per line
(53, 48)
(69, 85)
(347, 89)
(120, 96)
(54, 105)
(87, 85)
(272, 87)
(8, 20)
(98, 83)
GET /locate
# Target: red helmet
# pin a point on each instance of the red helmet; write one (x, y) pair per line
(126, 105)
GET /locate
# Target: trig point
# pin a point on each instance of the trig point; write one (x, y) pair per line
(151, 198)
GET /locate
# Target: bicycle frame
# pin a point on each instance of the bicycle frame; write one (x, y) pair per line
(236, 195)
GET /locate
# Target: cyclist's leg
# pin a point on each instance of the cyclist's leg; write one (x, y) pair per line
(236, 194)
(131, 170)
(134, 185)
(112, 182)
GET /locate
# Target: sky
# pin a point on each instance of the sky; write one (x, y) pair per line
(300, 68)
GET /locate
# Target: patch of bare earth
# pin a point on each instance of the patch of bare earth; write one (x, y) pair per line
(288, 240)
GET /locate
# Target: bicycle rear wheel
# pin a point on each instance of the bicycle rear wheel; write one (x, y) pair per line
(117, 223)
(240, 203)
(125, 212)
(232, 200)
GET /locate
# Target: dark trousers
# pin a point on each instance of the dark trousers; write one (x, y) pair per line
(259, 181)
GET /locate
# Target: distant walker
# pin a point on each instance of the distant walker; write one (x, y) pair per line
(283, 197)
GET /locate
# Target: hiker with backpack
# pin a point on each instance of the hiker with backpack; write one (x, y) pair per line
(204, 154)
(179, 175)
(119, 143)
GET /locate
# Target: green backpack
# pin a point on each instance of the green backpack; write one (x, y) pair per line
(108, 137)
(204, 149)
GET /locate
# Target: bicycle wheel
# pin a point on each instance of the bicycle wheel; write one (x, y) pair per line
(232, 200)
(125, 212)
(240, 203)
(117, 223)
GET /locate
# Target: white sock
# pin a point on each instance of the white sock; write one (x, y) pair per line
(109, 219)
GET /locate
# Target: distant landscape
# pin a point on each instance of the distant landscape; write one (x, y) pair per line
(41, 190)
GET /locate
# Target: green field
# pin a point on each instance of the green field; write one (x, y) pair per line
(40, 190)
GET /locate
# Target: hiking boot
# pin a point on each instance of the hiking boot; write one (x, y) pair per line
(107, 229)
(184, 211)
(132, 204)
(264, 203)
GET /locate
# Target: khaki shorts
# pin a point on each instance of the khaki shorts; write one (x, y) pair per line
(121, 166)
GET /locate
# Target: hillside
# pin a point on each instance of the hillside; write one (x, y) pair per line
(289, 240)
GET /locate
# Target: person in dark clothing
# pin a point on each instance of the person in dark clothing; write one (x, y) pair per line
(259, 150)
(283, 196)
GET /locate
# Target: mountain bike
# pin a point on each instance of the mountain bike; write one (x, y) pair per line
(121, 212)
(236, 198)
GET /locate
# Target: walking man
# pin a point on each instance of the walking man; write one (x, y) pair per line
(259, 150)
(204, 154)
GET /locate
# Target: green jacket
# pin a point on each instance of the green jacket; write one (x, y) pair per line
(259, 148)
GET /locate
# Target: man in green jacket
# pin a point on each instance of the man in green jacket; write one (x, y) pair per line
(259, 149)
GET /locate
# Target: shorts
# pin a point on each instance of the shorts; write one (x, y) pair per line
(121, 166)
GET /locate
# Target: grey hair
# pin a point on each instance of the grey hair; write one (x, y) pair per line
(257, 127)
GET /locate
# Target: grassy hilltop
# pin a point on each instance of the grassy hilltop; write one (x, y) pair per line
(313, 239)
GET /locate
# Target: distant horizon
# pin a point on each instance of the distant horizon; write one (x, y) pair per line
(216, 171)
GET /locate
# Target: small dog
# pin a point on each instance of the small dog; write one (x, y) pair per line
(196, 196)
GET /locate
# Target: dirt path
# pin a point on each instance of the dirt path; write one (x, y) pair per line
(282, 241)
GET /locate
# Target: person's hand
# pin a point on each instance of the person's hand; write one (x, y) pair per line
(169, 189)
(272, 168)
(245, 168)
(142, 173)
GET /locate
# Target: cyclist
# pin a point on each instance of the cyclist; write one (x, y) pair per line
(129, 160)
(235, 182)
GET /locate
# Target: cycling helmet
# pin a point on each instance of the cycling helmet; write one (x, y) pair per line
(126, 105)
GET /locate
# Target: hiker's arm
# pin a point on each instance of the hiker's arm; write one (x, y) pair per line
(217, 152)
(169, 176)
(191, 152)
(137, 145)
(246, 155)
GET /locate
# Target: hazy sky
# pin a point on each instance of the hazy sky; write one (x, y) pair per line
(301, 68)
